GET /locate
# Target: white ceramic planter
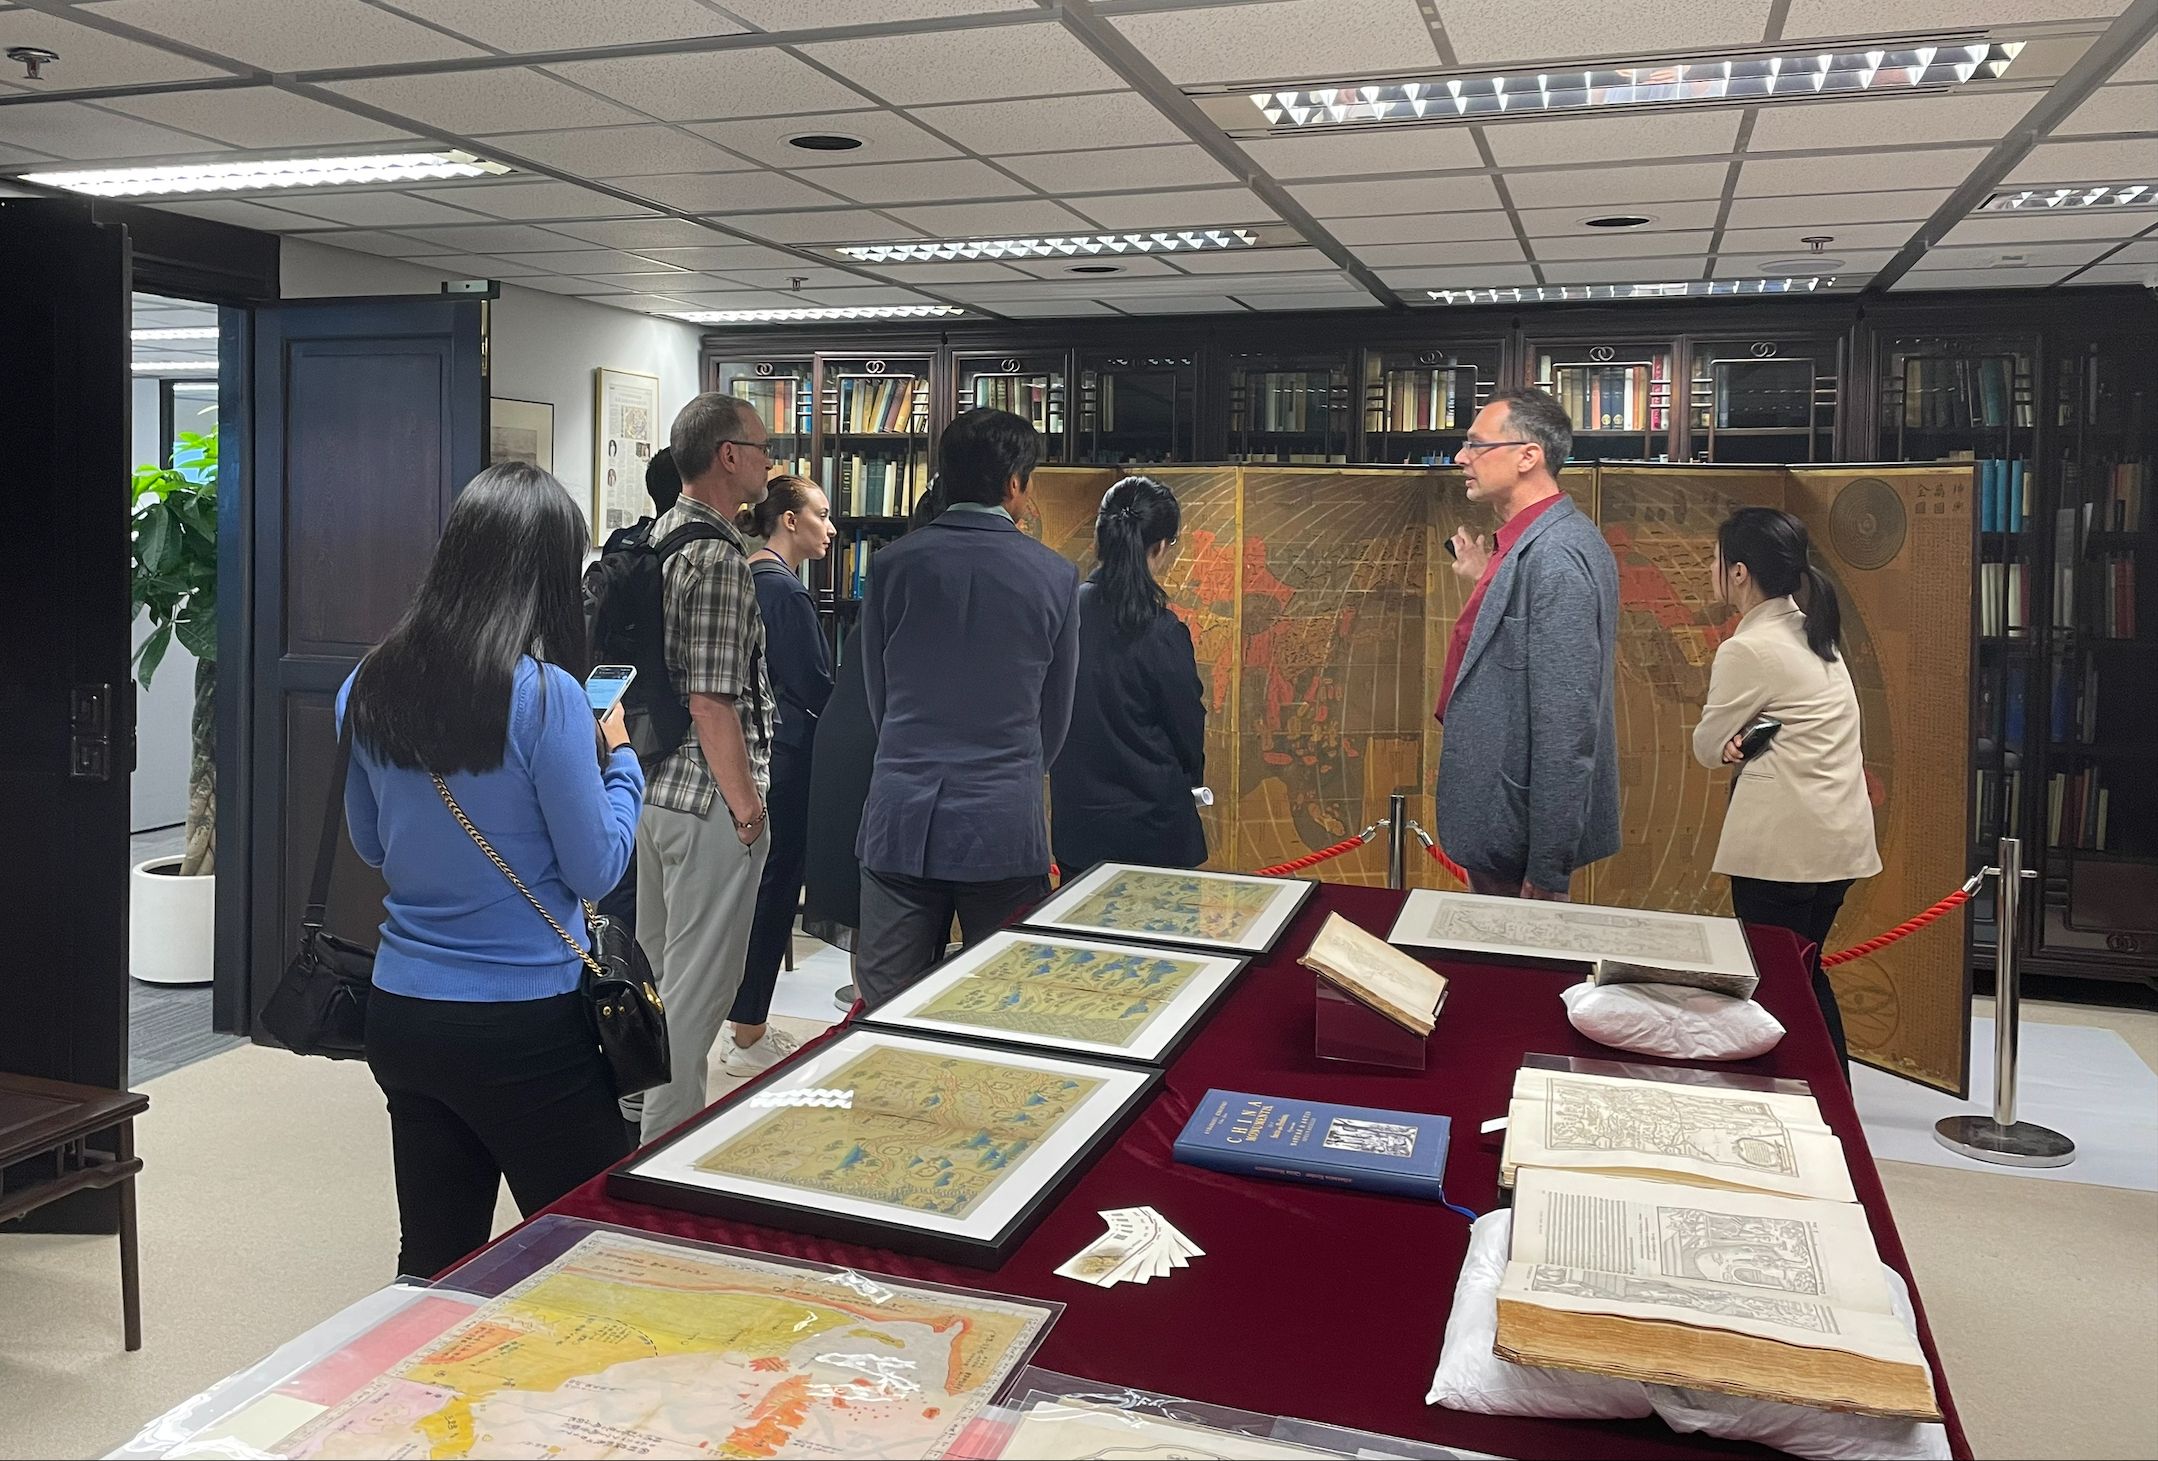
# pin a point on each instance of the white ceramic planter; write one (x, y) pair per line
(171, 936)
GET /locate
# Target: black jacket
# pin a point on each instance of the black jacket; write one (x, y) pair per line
(1121, 789)
(846, 746)
(794, 652)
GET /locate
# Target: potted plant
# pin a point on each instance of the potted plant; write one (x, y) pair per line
(172, 899)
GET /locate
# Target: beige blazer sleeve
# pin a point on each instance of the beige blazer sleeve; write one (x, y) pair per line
(1738, 687)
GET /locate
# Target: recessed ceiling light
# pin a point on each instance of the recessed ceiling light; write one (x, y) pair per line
(1095, 269)
(1901, 66)
(1691, 288)
(1618, 220)
(1168, 241)
(809, 316)
(170, 367)
(197, 332)
(825, 142)
(2080, 195)
(259, 173)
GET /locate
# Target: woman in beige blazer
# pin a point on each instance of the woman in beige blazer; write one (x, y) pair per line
(1799, 830)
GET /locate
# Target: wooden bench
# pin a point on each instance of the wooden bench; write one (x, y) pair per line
(41, 1118)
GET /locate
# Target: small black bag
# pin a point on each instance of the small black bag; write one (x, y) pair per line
(320, 1004)
(620, 995)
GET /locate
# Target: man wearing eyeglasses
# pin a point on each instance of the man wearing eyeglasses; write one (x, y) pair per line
(702, 841)
(1528, 769)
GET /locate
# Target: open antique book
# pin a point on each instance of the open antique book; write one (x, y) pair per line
(1774, 1298)
(1707, 1136)
(1370, 969)
(1738, 984)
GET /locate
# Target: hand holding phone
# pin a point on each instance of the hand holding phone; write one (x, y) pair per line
(606, 686)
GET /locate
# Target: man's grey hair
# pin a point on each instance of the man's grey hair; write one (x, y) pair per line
(1536, 416)
(700, 428)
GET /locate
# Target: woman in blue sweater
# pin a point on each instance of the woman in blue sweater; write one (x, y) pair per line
(476, 1031)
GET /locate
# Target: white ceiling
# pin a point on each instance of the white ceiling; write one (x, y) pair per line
(653, 169)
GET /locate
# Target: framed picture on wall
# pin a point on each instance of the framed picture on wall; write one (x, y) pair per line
(520, 431)
(625, 433)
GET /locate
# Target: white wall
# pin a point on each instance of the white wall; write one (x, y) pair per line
(158, 793)
(544, 347)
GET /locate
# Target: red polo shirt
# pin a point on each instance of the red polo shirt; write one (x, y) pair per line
(1508, 534)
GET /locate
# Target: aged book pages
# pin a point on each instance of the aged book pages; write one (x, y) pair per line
(1618, 971)
(1374, 971)
(1778, 1297)
(1748, 1141)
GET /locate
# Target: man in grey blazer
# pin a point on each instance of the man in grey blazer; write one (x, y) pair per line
(1528, 769)
(969, 651)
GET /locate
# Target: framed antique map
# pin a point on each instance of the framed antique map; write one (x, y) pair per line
(1572, 933)
(1085, 996)
(1231, 912)
(626, 430)
(933, 1147)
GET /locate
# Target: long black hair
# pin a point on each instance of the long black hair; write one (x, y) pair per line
(435, 696)
(1773, 546)
(1136, 513)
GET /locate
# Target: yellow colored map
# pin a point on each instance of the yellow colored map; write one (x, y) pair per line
(626, 1347)
(1109, 997)
(927, 1132)
(1175, 905)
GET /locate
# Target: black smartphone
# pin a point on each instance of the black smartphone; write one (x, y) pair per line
(1755, 738)
(1451, 550)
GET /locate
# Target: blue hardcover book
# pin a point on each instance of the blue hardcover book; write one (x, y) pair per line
(2018, 475)
(1400, 1152)
(1989, 496)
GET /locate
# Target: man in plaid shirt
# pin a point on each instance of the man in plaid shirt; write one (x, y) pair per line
(702, 841)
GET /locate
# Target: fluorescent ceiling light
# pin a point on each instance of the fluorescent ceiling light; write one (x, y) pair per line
(1691, 288)
(2081, 195)
(808, 316)
(259, 173)
(1885, 66)
(1184, 240)
(171, 367)
(194, 332)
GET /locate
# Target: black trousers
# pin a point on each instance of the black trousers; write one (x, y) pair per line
(1808, 910)
(905, 922)
(779, 890)
(480, 1092)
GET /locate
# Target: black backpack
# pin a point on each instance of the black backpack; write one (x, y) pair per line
(625, 609)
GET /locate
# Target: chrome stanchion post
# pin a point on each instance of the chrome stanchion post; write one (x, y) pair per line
(1397, 840)
(2000, 1138)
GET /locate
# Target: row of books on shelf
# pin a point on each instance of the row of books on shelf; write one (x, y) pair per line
(1030, 396)
(2004, 599)
(872, 486)
(894, 403)
(2110, 612)
(2000, 804)
(1427, 400)
(2126, 505)
(2006, 494)
(850, 578)
(1614, 397)
(1947, 393)
(2071, 704)
(2078, 810)
(782, 400)
(1292, 400)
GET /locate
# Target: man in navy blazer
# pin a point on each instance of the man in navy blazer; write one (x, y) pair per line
(970, 651)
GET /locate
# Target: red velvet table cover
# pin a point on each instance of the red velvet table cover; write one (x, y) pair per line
(1316, 1303)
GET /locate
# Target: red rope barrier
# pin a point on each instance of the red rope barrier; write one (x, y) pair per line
(1902, 930)
(1346, 844)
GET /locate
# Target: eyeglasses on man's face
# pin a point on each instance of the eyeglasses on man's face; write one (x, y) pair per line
(1474, 448)
(757, 446)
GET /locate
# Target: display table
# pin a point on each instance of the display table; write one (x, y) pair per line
(1314, 1303)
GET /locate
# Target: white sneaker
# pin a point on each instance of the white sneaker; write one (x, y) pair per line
(770, 1048)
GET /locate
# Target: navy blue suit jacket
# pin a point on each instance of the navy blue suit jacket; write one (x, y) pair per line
(970, 651)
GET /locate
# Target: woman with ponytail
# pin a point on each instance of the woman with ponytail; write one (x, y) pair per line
(1121, 791)
(1799, 829)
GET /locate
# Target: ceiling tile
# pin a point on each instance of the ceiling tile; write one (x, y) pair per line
(532, 200)
(2019, 256)
(739, 299)
(1631, 186)
(240, 213)
(900, 182)
(565, 284)
(1253, 261)
(21, 157)
(1051, 308)
(387, 245)
(1307, 281)
(717, 257)
(1626, 271)
(1505, 250)
(1663, 218)
(617, 152)
(2114, 109)
(1052, 124)
(1174, 304)
(794, 15)
(1843, 237)
(278, 35)
(708, 85)
(1412, 228)
(973, 65)
(654, 304)
(813, 276)
(1919, 279)
(1502, 32)
(82, 133)
(474, 266)
(671, 282)
(643, 233)
(1858, 264)
(1405, 149)
(590, 261)
(259, 116)
(990, 220)
(2143, 275)
(487, 238)
(1129, 266)
(1977, 117)
(1465, 194)
(373, 210)
(1613, 138)
(885, 137)
(2142, 66)
(1284, 39)
(2089, 162)
(870, 296)
(1176, 165)
(1461, 276)
(2047, 226)
(1200, 207)
(1811, 19)
(91, 58)
(1808, 212)
(1618, 244)
(839, 226)
(730, 192)
(940, 276)
(474, 102)
(1856, 172)
(1355, 299)
(2142, 251)
(566, 25)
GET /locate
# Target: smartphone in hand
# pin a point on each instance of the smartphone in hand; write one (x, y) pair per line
(606, 686)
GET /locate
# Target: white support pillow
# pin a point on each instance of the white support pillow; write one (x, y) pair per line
(1672, 1021)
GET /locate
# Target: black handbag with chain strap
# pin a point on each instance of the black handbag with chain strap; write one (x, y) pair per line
(620, 995)
(320, 1004)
